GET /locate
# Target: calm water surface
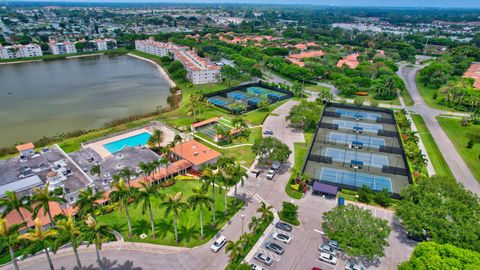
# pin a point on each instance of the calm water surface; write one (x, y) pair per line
(44, 98)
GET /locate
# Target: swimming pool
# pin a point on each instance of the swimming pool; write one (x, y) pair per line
(136, 140)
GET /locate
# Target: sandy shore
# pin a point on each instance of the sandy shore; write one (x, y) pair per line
(20, 62)
(84, 55)
(160, 69)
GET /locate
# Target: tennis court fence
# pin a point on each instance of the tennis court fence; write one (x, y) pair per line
(319, 158)
(390, 149)
(329, 126)
(385, 121)
(387, 133)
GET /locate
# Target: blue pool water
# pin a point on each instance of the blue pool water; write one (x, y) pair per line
(136, 140)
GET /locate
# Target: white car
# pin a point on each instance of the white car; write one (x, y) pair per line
(255, 266)
(270, 174)
(327, 248)
(327, 257)
(282, 237)
(218, 244)
(353, 266)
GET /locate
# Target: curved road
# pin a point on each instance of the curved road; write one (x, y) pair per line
(458, 167)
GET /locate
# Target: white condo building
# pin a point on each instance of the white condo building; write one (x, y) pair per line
(20, 51)
(62, 47)
(199, 70)
(103, 44)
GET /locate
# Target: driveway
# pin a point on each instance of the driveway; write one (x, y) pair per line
(458, 167)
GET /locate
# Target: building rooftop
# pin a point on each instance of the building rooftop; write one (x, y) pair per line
(195, 152)
(474, 72)
(350, 61)
(21, 185)
(309, 54)
(26, 146)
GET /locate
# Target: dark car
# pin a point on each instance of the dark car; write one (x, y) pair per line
(274, 247)
(283, 226)
(268, 132)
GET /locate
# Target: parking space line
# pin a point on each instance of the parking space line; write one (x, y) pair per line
(270, 254)
(320, 232)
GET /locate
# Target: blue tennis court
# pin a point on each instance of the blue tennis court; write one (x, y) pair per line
(254, 100)
(257, 90)
(367, 141)
(277, 95)
(354, 179)
(368, 159)
(343, 124)
(358, 114)
(237, 95)
(217, 102)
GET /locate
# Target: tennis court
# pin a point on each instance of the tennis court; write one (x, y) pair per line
(358, 114)
(354, 179)
(368, 159)
(366, 141)
(343, 124)
(218, 102)
(237, 95)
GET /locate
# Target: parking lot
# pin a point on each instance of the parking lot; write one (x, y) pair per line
(276, 258)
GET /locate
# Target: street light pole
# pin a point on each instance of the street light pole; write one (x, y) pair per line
(243, 219)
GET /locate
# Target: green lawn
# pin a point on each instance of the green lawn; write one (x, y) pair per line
(436, 157)
(316, 88)
(300, 152)
(407, 98)
(458, 134)
(427, 94)
(189, 228)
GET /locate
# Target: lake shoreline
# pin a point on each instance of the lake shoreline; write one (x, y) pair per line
(20, 62)
(160, 69)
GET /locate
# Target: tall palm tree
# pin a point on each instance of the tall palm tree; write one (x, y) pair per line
(265, 210)
(235, 248)
(39, 237)
(146, 169)
(69, 232)
(173, 203)
(164, 163)
(9, 236)
(11, 202)
(154, 165)
(144, 196)
(127, 173)
(42, 197)
(97, 233)
(95, 170)
(156, 139)
(210, 178)
(200, 199)
(122, 193)
(254, 224)
(238, 175)
(87, 201)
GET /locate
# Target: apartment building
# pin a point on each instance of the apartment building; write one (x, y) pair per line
(20, 51)
(62, 47)
(199, 70)
(105, 44)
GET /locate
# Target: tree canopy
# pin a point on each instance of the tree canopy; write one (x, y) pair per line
(438, 208)
(305, 115)
(271, 149)
(357, 231)
(433, 256)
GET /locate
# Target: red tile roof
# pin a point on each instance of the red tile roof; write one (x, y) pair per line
(195, 152)
(350, 61)
(307, 54)
(473, 72)
(55, 208)
(26, 146)
(205, 122)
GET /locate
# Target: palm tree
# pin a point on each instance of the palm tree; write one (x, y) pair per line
(156, 139)
(173, 203)
(41, 238)
(154, 164)
(200, 199)
(68, 231)
(97, 233)
(146, 169)
(9, 236)
(87, 201)
(164, 163)
(238, 175)
(254, 224)
(127, 173)
(235, 248)
(122, 193)
(265, 210)
(11, 202)
(209, 177)
(143, 196)
(95, 170)
(42, 197)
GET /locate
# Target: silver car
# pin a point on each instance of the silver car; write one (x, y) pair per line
(274, 247)
(327, 248)
(263, 258)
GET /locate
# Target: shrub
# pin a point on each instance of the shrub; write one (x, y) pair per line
(435, 95)
(374, 103)
(365, 194)
(289, 213)
(383, 198)
(470, 144)
(358, 101)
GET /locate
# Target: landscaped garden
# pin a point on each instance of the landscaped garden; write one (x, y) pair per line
(461, 137)
(188, 221)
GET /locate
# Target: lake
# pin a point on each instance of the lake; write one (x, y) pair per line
(45, 98)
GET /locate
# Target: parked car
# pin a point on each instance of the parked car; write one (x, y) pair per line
(263, 258)
(334, 244)
(282, 237)
(328, 258)
(255, 266)
(218, 244)
(283, 226)
(268, 132)
(274, 247)
(276, 166)
(353, 266)
(270, 174)
(327, 248)
(316, 268)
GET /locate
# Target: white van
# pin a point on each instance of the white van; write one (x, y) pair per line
(218, 244)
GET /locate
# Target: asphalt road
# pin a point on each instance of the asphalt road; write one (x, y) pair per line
(458, 167)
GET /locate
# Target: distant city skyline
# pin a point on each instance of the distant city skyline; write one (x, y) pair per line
(340, 3)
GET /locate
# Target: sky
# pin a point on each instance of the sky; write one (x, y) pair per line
(379, 3)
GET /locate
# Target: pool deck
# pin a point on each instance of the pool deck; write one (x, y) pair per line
(103, 152)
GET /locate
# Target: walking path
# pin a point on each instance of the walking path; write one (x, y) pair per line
(457, 165)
